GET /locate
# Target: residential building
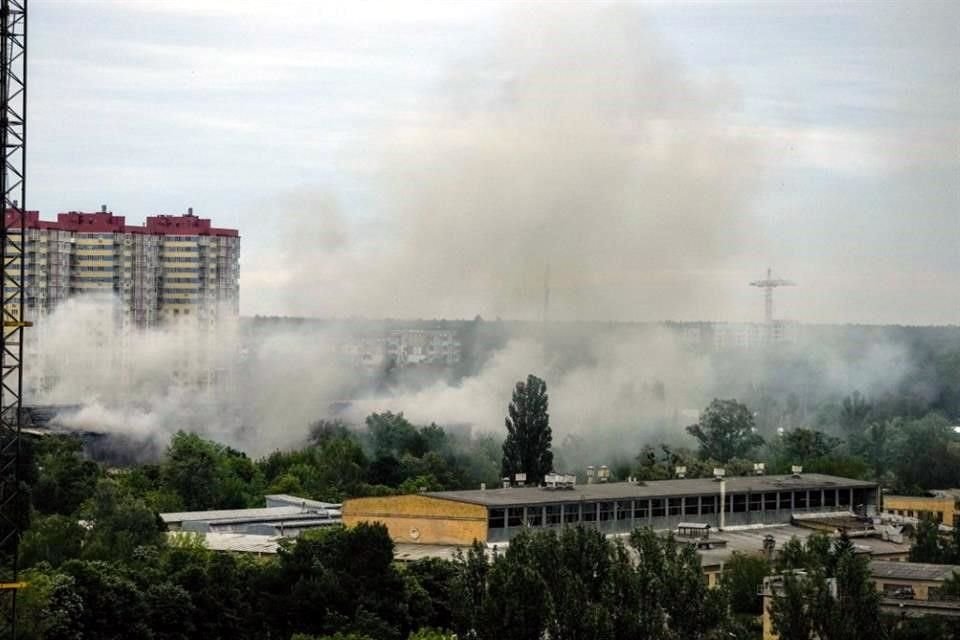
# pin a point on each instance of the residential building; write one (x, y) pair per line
(422, 346)
(496, 515)
(172, 267)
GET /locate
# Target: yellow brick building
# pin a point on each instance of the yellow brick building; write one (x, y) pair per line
(420, 519)
(943, 508)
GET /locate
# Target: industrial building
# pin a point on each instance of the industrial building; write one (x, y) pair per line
(496, 515)
(943, 507)
(172, 267)
(284, 516)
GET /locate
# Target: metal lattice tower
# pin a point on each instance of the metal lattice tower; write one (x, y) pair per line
(768, 285)
(13, 138)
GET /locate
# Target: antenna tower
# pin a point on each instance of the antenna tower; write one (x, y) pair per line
(13, 138)
(768, 285)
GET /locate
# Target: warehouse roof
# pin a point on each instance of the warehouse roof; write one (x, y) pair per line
(912, 571)
(516, 496)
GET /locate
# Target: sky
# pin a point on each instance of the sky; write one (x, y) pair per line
(435, 159)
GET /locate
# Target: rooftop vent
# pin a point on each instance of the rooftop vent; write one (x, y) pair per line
(681, 472)
(506, 482)
(759, 468)
(603, 473)
(796, 470)
(559, 481)
(719, 473)
(590, 474)
(520, 478)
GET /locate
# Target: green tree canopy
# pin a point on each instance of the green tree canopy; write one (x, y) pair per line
(725, 431)
(527, 447)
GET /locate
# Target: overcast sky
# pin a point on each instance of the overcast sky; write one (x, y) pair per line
(838, 123)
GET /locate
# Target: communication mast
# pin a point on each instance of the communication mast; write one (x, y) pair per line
(768, 285)
(13, 138)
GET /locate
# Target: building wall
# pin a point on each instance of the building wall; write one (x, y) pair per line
(420, 519)
(622, 516)
(944, 509)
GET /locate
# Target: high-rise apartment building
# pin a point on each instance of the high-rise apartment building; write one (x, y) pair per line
(171, 268)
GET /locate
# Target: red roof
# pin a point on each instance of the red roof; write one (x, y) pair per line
(106, 222)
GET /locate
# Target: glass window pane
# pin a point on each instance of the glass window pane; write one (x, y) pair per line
(590, 512)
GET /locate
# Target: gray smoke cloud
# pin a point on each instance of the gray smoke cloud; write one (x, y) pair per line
(574, 142)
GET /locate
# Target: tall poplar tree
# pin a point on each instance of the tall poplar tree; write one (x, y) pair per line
(527, 447)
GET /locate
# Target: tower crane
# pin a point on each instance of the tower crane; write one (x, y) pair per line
(13, 239)
(768, 285)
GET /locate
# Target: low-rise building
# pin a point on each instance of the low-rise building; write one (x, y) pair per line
(287, 517)
(943, 506)
(496, 515)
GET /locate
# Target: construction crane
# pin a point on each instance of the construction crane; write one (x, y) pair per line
(768, 285)
(13, 239)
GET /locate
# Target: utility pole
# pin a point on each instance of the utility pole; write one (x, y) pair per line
(13, 240)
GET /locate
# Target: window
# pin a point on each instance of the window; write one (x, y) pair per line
(674, 506)
(553, 514)
(691, 506)
(708, 504)
(800, 500)
(770, 501)
(739, 503)
(571, 513)
(535, 516)
(657, 507)
(624, 510)
(515, 517)
(844, 500)
(756, 502)
(816, 498)
(606, 511)
(640, 509)
(830, 498)
(495, 520)
(590, 512)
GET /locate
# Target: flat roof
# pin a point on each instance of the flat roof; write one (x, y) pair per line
(518, 496)
(236, 542)
(262, 514)
(912, 570)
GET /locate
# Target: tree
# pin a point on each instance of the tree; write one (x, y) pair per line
(854, 412)
(53, 539)
(742, 574)
(725, 430)
(527, 446)
(927, 545)
(802, 445)
(120, 524)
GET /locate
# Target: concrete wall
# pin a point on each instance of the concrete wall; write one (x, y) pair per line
(420, 519)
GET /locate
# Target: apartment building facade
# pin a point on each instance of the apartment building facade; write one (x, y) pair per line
(174, 267)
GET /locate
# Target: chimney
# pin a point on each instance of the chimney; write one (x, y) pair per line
(189, 211)
(103, 208)
(483, 486)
